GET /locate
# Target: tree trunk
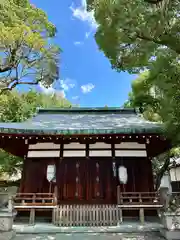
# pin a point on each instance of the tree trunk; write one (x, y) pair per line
(161, 172)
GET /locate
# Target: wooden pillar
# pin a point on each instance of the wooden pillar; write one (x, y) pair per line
(32, 212)
(141, 215)
(133, 177)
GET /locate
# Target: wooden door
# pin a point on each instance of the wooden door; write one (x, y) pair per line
(100, 181)
(86, 181)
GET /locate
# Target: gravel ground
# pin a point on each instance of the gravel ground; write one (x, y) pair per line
(86, 236)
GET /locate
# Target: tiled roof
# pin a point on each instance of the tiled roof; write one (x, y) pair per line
(174, 162)
(83, 121)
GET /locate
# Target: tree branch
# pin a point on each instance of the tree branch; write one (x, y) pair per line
(12, 61)
(159, 42)
(17, 83)
(6, 69)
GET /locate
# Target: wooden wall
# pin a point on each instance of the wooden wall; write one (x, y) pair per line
(34, 176)
(87, 180)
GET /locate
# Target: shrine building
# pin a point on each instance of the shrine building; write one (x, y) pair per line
(86, 155)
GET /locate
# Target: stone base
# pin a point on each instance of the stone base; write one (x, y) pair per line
(6, 220)
(7, 235)
(170, 234)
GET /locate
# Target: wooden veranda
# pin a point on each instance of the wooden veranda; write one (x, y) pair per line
(87, 214)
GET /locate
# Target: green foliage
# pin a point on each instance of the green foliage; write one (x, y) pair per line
(16, 107)
(26, 56)
(131, 33)
(145, 96)
(156, 96)
(9, 164)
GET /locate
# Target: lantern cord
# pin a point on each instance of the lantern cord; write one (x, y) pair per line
(50, 186)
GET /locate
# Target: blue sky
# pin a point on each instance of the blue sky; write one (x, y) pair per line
(86, 77)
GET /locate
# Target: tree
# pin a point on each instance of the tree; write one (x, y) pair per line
(15, 107)
(26, 55)
(133, 33)
(146, 97)
(158, 104)
(158, 96)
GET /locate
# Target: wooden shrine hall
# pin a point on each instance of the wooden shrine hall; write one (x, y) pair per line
(85, 157)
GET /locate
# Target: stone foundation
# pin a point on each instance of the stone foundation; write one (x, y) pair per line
(6, 223)
(7, 235)
(6, 220)
(171, 223)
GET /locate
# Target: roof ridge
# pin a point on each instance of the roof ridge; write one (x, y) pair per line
(88, 110)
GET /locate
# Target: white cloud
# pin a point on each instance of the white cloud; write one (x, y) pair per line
(78, 43)
(66, 84)
(82, 14)
(75, 97)
(87, 88)
(88, 34)
(59, 87)
(49, 90)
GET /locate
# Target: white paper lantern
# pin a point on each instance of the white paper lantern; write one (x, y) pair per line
(123, 176)
(51, 172)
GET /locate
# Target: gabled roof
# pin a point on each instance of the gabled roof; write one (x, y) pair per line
(83, 121)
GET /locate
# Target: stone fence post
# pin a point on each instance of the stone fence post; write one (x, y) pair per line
(165, 197)
(7, 215)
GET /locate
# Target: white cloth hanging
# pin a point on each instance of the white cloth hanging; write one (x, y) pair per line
(123, 176)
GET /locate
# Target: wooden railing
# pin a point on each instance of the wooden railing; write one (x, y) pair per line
(138, 201)
(35, 201)
(25, 200)
(137, 198)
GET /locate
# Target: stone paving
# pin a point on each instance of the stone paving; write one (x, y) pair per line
(91, 236)
(41, 231)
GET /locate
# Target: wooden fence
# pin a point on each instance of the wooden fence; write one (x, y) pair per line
(87, 215)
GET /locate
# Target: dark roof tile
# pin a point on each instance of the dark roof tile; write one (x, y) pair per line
(83, 121)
